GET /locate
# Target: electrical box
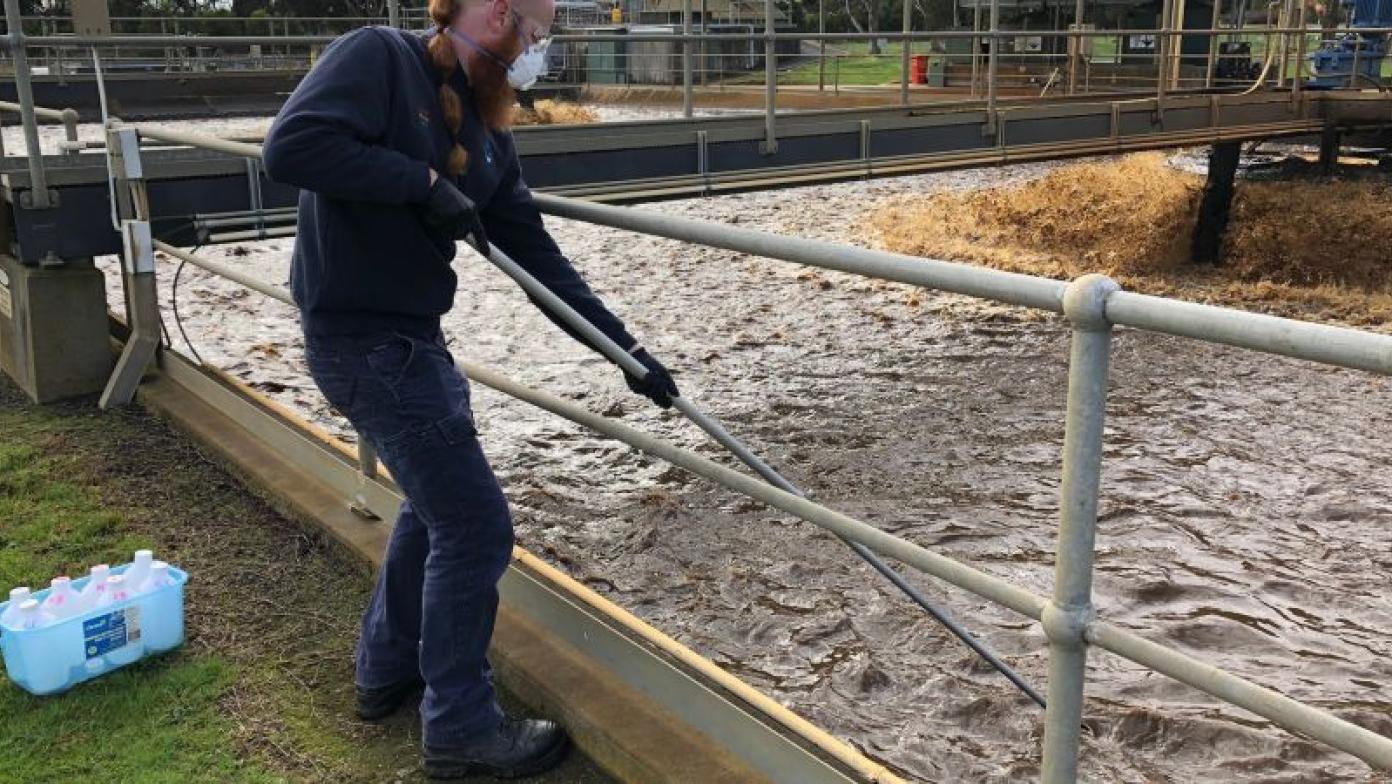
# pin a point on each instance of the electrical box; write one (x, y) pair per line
(91, 17)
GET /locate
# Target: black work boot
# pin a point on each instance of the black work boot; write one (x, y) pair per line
(519, 747)
(375, 704)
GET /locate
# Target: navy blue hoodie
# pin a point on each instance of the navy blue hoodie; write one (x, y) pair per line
(358, 137)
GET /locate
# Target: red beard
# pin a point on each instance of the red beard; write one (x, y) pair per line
(494, 98)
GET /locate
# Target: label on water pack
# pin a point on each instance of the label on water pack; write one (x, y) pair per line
(106, 633)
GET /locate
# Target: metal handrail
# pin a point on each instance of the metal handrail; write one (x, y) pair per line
(617, 355)
(1092, 304)
(201, 39)
(1322, 343)
(69, 118)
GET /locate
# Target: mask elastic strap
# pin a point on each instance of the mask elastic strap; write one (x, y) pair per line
(478, 47)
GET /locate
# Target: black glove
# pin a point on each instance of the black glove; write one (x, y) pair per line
(657, 385)
(450, 212)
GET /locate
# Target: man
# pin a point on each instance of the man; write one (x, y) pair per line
(400, 145)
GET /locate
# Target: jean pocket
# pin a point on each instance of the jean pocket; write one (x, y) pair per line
(390, 358)
(457, 428)
(338, 385)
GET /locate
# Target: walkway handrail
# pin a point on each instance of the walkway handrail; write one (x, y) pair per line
(68, 117)
(1322, 343)
(1290, 714)
(62, 115)
(1092, 305)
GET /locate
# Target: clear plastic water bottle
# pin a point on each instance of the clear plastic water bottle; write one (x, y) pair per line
(32, 616)
(162, 617)
(158, 578)
(117, 591)
(95, 587)
(18, 596)
(139, 569)
(63, 601)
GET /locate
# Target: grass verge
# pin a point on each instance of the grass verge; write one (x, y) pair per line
(261, 692)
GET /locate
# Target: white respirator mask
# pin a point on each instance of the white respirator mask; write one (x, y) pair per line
(525, 69)
(529, 66)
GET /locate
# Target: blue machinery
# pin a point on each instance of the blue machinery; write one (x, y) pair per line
(1354, 58)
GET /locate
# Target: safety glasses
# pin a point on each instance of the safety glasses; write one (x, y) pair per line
(532, 33)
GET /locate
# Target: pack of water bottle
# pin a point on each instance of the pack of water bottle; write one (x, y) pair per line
(75, 630)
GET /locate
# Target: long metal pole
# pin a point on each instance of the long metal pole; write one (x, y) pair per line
(906, 55)
(992, 67)
(1284, 48)
(1177, 46)
(24, 90)
(1298, 78)
(770, 82)
(394, 13)
(713, 428)
(1162, 50)
(821, 45)
(686, 60)
(1332, 345)
(1067, 617)
(976, 49)
(1213, 44)
(704, 66)
(1075, 53)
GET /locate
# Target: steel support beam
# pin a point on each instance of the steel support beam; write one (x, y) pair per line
(906, 54)
(687, 81)
(1216, 203)
(1068, 615)
(993, 68)
(39, 197)
(770, 145)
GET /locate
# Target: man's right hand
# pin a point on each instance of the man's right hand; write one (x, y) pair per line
(449, 211)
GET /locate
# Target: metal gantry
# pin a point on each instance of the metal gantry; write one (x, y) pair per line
(1093, 305)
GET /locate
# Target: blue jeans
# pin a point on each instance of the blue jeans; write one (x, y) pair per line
(436, 598)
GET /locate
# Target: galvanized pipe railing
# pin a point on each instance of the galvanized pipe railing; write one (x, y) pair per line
(24, 89)
(1167, 65)
(675, 37)
(1092, 304)
(1069, 627)
(1299, 339)
(68, 117)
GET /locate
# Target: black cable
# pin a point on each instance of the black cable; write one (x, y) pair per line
(185, 222)
(174, 305)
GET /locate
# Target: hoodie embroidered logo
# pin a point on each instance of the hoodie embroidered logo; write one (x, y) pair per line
(423, 117)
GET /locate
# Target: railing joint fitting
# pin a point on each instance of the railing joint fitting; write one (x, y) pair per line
(1068, 625)
(1085, 301)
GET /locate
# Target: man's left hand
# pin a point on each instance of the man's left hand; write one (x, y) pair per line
(657, 385)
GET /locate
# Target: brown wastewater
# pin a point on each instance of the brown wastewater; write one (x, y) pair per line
(1244, 512)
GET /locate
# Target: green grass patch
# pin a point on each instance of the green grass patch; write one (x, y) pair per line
(262, 690)
(154, 722)
(157, 721)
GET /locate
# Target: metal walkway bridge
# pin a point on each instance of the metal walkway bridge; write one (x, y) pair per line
(649, 160)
